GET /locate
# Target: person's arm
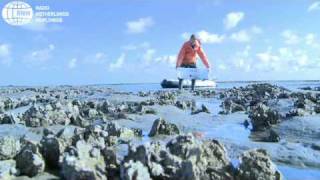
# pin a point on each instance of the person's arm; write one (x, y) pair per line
(203, 57)
(180, 56)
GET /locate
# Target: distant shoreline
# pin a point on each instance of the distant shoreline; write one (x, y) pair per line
(249, 81)
(119, 84)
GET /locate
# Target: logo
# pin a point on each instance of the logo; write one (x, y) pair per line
(17, 13)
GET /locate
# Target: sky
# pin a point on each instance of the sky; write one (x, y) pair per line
(136, 41)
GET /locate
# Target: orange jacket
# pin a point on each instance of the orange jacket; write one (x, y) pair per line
(187, 54)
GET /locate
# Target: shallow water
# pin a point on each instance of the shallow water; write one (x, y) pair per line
(230, 130)
(19, 110)
(293, 173)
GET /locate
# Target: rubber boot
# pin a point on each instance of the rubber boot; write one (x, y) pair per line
(180, 84)
(193, 82)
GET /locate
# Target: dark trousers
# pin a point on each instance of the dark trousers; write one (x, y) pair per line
(193, 81)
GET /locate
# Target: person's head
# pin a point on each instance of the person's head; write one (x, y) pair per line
(193, 40)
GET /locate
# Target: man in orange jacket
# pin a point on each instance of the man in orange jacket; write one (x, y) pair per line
(188, 56)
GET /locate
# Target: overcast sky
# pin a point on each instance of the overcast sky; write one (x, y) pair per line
(118, 41)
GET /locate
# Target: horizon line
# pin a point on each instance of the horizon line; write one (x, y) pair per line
(139, 83)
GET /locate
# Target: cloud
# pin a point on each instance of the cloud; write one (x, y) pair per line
(246, 52)
(267, 57)
(72, 63)
(245, 35)
(303, 60)
(205, 37)
(241, 36)
(149, 59)
(209, 38)
(117, 64)
(242, 59)
(256, 30)
(314, 6)
(148, 55)
(286, 53)
(270, 60)
(232, 19)
(312, 40)
(96, 58)
(100, 56)
(243, 64)
(287, 59)
(5, 54)
(40, 56)
(169, 60)
(290, 37)
(266, 61)
(140, 25)
(4, 50)
(212, 38)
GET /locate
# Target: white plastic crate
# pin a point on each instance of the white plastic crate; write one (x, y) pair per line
(193, 73)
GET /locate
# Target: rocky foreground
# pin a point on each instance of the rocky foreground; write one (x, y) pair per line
(91, 132)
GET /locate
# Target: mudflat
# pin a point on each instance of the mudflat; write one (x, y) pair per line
(258, 131)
